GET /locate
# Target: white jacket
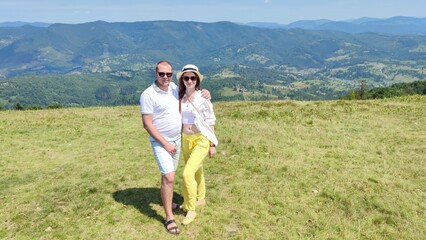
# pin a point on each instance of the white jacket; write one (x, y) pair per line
(204, 117)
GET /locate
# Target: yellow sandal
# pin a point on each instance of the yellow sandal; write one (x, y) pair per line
(189, 219)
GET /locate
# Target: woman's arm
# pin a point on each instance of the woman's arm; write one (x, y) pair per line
(212, 149)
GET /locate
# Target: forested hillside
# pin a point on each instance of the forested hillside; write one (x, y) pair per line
(102, 63)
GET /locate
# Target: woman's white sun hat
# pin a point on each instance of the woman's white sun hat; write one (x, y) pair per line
(190, 68)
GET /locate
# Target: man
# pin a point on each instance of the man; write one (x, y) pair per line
(161, 118)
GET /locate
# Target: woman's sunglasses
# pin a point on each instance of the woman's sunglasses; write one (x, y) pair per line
(186, 78)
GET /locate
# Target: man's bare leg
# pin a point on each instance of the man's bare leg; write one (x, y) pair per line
(167, 181)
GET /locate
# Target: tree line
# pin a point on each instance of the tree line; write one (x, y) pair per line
(395, 90)
(129, 94)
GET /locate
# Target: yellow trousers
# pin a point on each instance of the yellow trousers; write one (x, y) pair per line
(195, 148)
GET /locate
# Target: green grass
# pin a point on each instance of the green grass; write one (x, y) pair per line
(285, 170)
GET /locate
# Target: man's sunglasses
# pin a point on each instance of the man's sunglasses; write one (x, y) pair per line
(168, 74)
(186, 78)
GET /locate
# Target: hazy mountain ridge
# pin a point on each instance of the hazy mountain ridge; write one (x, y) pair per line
(398, 25)
(20, 24)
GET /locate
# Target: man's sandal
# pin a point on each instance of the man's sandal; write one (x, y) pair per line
(172, 230)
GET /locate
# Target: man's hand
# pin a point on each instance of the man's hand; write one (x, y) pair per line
(205, 94)
(170, 148)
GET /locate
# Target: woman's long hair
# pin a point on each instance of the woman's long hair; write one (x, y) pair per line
(182, 88)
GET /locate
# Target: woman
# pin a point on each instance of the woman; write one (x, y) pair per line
(198, 138)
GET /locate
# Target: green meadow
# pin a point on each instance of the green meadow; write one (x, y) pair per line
(284, 170)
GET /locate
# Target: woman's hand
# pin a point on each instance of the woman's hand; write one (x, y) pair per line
(212, 151)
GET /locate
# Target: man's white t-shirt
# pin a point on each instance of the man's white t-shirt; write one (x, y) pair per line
(164, 108)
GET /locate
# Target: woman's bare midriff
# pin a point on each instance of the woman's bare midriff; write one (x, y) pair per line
(190, 129)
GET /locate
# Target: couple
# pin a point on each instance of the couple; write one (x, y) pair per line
(170, 112)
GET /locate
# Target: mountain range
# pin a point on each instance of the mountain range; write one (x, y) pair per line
(242, 61)
(399, 25)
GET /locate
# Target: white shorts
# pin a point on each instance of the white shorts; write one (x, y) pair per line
(166, 163)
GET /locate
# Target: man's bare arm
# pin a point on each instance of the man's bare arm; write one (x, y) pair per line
(152, 130)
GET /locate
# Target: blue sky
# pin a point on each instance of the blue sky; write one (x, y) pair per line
(242, 11)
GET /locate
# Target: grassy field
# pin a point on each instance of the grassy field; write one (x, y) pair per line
(285, 170)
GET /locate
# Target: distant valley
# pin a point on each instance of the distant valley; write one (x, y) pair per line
(101, 63)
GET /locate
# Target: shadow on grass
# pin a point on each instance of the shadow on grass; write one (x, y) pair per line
(142, 199)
